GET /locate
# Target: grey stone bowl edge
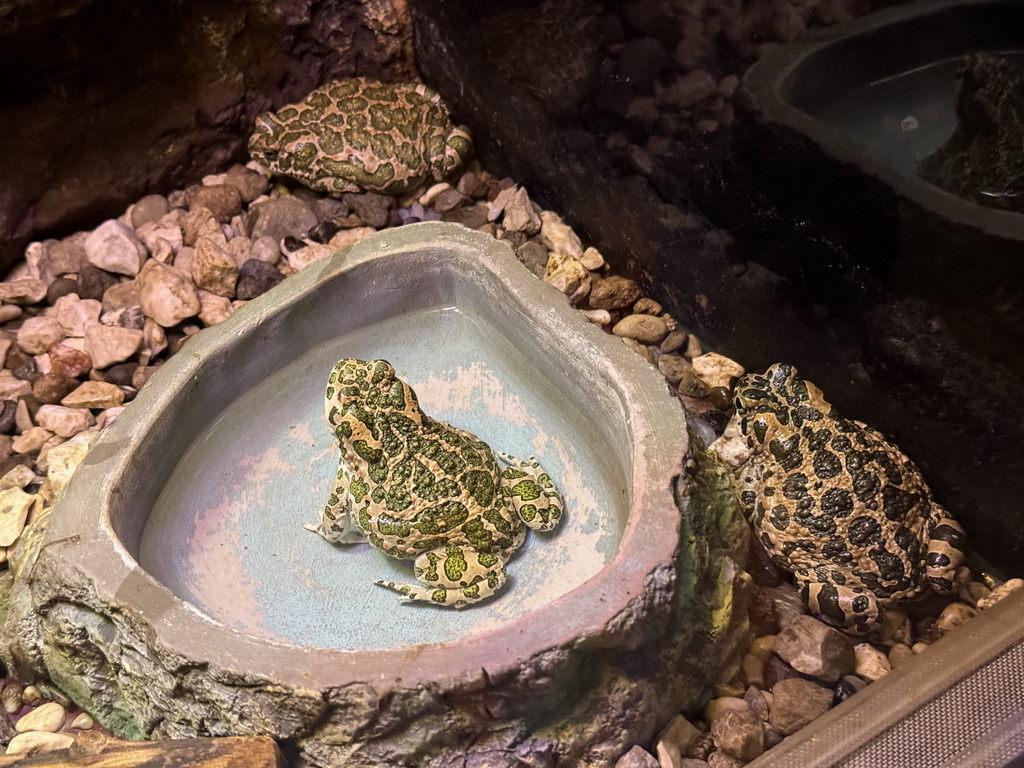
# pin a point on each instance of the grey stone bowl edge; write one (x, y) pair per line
(672, 591)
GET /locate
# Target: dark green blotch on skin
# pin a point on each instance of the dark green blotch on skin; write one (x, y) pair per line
(480, 485)
(787, 452)
(862, 530)
(826, 464)
(897, 503)
(442, 518)
(795, 486)
(837, 502)
(779, 517)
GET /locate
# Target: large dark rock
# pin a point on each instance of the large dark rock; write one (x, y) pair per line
(105, 101)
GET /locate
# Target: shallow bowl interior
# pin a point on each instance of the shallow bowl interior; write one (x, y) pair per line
(243, 457)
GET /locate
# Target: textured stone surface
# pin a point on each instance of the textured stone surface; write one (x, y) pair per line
(681, 601)
(167, 295)
(814, 648)
(795, 703)
(614, 293)
(637, 757)
(739, 733)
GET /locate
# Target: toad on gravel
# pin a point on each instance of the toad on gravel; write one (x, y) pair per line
(420, 488)
(361, 135)
(838, 505)
(983, 161)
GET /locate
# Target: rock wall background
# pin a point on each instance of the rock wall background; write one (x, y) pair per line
(102, 101)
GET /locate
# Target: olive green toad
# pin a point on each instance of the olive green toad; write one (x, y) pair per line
(419, 488)
(361, 135)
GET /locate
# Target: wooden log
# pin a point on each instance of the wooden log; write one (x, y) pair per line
(97, 750)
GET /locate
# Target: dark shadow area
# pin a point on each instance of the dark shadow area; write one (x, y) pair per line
(108, 100)
(606, 114)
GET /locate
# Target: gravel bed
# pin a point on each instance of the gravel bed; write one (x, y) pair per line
(85, 321)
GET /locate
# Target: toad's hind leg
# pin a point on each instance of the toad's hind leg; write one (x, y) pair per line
(453, 576)
(531, 493)
(947, 548)
(830, 597)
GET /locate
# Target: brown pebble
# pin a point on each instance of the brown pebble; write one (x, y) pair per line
(739, 733)
(646, 306)
(68, 361)
(222, 200)
(51, 388)
(93, 282)
(27, 371)
(763, 618)
(120, 374)
(721, 398)
(59, 288)
(702, 747)
(899, 654)
(673, 342)
(7, 417)
(673, 367)
(776, 670)
(796, 702)
(693, 348)
(614, 293)
(141, 374)
(15, 358)
(720, 759)
(645, 329)
(692, 385)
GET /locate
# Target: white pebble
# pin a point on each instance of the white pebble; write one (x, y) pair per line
(36, 741)
(83, 722)
(64, 421)
(597, 316)
(38, 333)
(872, 664)
(716, 370)
(428, 197)
(999, 593)
(115, 247)
(48, 717)
(592, 259)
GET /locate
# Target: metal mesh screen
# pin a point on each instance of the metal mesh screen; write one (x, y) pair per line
(978, 722)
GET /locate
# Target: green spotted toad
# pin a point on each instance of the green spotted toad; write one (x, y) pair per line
(419, 488)
(361, 135)
(838, 505)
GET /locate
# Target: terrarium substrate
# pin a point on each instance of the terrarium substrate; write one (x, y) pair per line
(87, 320)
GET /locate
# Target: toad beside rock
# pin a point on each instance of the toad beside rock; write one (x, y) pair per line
(838, 505)
(361, 135)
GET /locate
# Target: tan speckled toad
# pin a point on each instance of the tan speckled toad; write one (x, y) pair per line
(838, 505)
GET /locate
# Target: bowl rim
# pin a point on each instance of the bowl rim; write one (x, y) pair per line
(600, 610)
